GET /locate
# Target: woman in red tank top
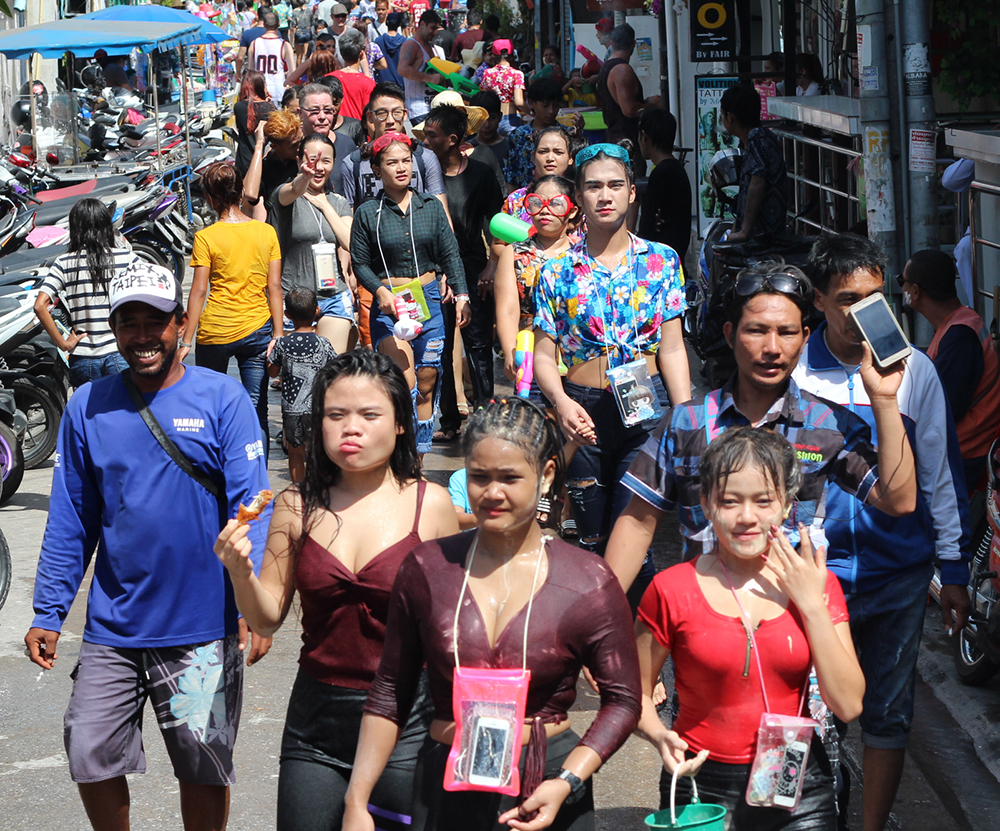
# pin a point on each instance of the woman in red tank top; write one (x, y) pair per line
(744, 625)
(339, 539)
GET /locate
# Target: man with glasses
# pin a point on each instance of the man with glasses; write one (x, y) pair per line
(963, 354)
(767, 310)
(413, 57)
(319, 114)
(885, 567)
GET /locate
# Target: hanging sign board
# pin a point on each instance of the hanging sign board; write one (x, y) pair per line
(713, 30)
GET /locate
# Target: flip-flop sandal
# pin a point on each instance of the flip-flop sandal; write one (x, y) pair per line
(463, 410)
(568, 530)
(445, 436)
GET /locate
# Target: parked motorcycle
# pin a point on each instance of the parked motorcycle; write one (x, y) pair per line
(11, 459)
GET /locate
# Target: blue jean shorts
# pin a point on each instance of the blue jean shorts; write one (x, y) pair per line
(428, 346)
(83, 369)
(197, 695)
(886, 625)
(339, 305)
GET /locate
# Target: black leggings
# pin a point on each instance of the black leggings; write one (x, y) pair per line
(317, 755)
(439, 810)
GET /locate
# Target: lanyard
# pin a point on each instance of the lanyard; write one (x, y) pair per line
(317, 214)
(413, 242)
(527, 618)
(635, 328)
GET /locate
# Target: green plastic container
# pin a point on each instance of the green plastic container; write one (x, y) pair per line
(700, 815)
(594, 120)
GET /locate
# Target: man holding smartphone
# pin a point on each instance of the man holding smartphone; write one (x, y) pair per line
(885, 564)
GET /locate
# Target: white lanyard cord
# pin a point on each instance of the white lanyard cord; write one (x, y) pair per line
(635, 328)
(318, 215)
(527, 618)
(413, 241)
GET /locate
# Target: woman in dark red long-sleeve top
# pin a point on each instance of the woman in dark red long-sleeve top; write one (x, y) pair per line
(578, 617)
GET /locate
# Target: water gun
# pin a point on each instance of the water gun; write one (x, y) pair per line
(524, 360)
(407, 327)
(509, 228)
(593, 64)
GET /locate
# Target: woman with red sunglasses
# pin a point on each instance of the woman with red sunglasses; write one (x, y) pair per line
(549, 204)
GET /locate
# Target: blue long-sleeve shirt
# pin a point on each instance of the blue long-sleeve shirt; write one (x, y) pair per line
(157, 581)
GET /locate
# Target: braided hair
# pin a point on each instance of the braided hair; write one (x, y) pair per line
(524, 424)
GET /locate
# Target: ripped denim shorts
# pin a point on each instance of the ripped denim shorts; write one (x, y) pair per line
(428, 346)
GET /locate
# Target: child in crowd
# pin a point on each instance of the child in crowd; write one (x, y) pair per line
(458, 491)
(298, 356)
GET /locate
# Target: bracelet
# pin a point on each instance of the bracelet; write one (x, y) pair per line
(464, 297)
(186, 345)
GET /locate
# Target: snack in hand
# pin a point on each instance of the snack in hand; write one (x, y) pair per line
(248, 514)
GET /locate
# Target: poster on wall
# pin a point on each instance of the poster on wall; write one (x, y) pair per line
(712, 138)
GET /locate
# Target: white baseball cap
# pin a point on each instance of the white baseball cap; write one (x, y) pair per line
(145, 283)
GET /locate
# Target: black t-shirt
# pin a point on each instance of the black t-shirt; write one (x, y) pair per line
(353, 130)
(959, 362)
(484, 154)
(245, 138)
(273, 173)
(473, 198)
(666, 207)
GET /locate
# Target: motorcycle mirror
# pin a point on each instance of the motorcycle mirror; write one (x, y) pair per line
(52, 158)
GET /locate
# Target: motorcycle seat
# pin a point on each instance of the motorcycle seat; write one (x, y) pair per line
(84, 188)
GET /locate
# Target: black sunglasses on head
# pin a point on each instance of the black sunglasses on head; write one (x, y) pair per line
(783, 282)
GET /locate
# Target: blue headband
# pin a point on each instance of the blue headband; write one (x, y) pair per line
(616, 151)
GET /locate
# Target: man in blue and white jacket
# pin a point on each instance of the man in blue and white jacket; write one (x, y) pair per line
(885, 563)
(161, 616)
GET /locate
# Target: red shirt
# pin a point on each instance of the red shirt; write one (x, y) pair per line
(417, 8)
(357, 91)
(719, 708)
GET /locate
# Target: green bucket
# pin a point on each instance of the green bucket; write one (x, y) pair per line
(700, 815)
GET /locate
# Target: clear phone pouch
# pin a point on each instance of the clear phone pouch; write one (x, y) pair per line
(412, 294)
(489, 707)
(779, 765)
(632, 388)
(325, 265)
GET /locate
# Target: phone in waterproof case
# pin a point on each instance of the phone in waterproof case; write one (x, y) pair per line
(787, 787)
(874, 321)
(489, 749)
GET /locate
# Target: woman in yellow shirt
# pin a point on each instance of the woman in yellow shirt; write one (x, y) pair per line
(235, 305)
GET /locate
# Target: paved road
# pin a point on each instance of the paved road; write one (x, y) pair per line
(951, 779)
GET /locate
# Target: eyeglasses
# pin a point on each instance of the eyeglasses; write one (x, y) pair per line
(901, 280)
(558, 205)
(312, 113)
(616, 151)
(397, 114)
(783, 282)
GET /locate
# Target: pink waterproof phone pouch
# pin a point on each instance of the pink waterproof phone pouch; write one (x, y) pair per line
(489, 707)
(779, 765)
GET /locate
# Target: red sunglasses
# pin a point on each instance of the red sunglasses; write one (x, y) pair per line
(559, 205)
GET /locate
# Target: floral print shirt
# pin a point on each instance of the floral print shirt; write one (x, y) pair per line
(519, 169)
(587, 308)
(503, 80)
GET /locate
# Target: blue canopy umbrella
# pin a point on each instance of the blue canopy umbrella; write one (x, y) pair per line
(209, 32)
(51, 40)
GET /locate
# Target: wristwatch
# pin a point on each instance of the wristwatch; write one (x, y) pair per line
(577, 787)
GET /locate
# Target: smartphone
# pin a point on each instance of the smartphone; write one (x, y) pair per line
(792, 770)
(878, 327)
(489, 750)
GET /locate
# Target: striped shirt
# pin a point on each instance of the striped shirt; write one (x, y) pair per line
(831, 443)
(69, 282)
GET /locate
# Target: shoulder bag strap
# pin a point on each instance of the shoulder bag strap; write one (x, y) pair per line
(182, 461)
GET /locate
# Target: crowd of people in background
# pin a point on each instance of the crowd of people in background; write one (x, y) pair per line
(353, 263)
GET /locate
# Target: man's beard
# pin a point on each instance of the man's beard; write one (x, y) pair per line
(166, 363)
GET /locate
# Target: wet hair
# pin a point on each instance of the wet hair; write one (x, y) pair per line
(321, 472)
(430, 16)
(222, 183)
(269, 20)
(253, 87)
(352, 44)
(300, 305)
(742, 102)
(522, 423)
(622, 37)
(92, 233)
(474, 17)
(336, 87)
(661, 128)
(323, 62)
(451, 120)
(738, 447)
(733, 303)
(843, 254)
(601, 156)
(290, 94)
(282, 125)
(317, 138)
(544, 90)
(935, 273)
(488, 100)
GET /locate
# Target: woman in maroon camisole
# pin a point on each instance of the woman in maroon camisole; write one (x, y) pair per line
(339, 539)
